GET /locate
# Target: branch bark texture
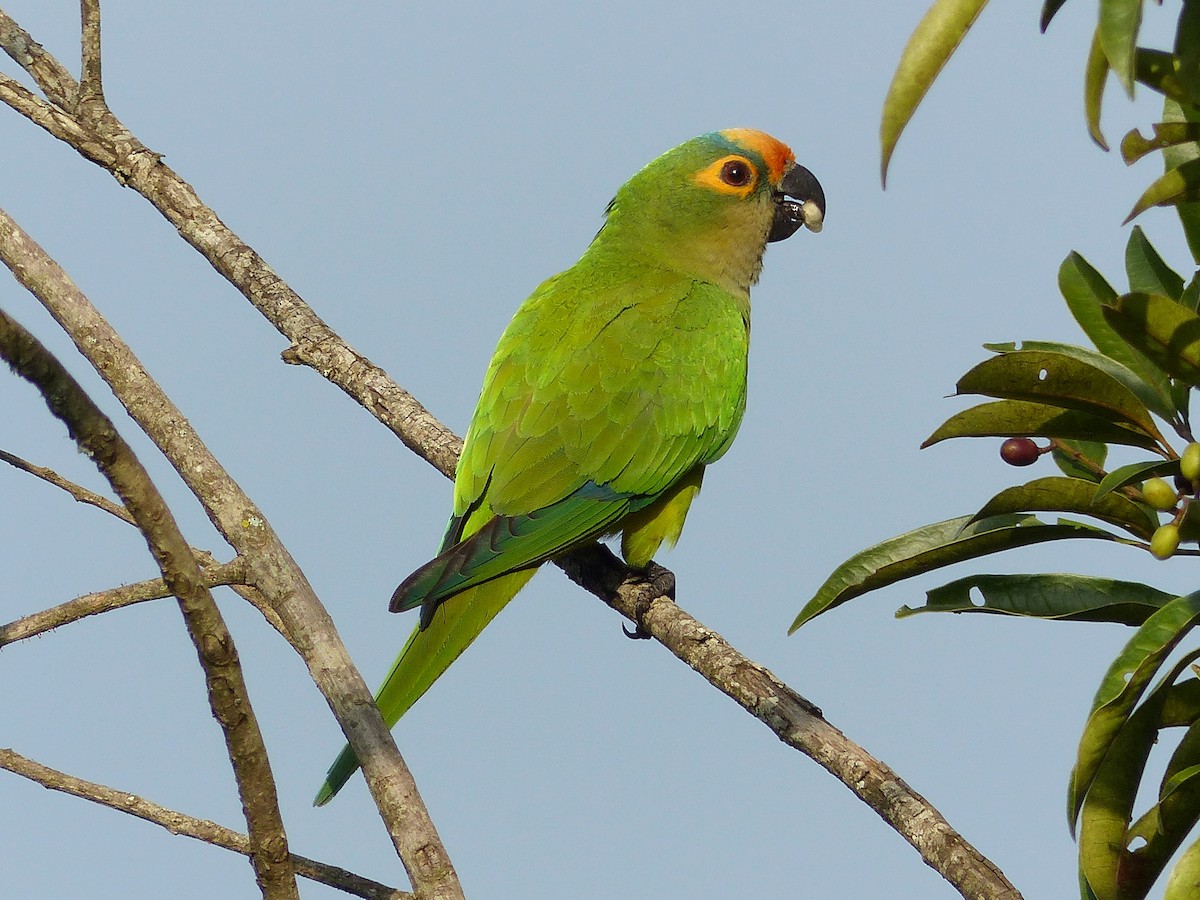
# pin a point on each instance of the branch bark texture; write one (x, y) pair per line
(230, 701)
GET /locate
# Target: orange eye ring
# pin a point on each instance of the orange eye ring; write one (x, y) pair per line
(733, 174)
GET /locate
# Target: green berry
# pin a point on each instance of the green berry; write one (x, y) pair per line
(1189, 463)
(1165, 541)
(1160, 494)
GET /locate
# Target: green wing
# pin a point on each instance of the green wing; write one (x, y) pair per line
(605, 391)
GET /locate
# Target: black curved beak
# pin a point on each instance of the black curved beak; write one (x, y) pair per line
(798, 189)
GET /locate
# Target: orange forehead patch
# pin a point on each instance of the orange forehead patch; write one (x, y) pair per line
(776, 154)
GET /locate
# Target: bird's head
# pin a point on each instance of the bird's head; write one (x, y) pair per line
(709, 207)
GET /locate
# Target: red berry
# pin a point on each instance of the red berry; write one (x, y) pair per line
(1019, 452)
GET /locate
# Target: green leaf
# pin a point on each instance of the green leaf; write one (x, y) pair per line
(1108, 807)
(1181, 184)
(1163, 827)
(1184, 880)
(1049, 10)
(933, 547)
(1159, 71)
(1187, 49)
(1074, 598)
(1182, 707)
(1123, 686)
(1071, 456)
(932, 43)
(1144, 392)
(1166, 331)
(1058, 380)
(1022, 418)
(1087, 294)
(1095, 77)
(1119, 24)
(1135, 473)
(1178, 155)
(1147, 271)
(1191, 294)
(1166, 134)
(1071, 495)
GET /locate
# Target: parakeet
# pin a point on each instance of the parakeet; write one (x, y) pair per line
(615, 384)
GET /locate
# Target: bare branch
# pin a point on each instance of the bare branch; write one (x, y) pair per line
(270, 568)
(81, 494)
(647, 601)
(91, 86)
(230, 701)
(189, 826)
(55, 81)
(213, 575)
(314, 344)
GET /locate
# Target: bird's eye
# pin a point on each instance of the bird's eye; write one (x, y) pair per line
(737, 173)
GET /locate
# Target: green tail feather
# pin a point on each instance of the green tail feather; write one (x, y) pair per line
(426, 656)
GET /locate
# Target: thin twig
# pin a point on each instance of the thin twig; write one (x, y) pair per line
(314, 344)
(91, 86)
(214, 575)
(270, 568)
(81, 494)
(228, 697)
(189, 826)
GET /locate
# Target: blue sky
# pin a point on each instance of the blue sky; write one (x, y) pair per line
(413, 171)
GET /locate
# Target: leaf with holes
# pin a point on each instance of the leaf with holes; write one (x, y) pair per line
(1073, 598)
(933, 547)
(1059, 380)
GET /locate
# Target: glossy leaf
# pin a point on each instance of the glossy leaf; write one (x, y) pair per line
(1120, 372)
(1071, 495)
(1122, 687)
(1173, 186)
(933, 547)
(1023, 418)
(1087, 294)
(1162, 828)
(1119, 24)
(1080, 459)
(1058, 380)
(1164, 330)
(1135, 473)
(1107, 809)
(1147, 271)
(932, 43)
(1074, 598)
(1095, 77)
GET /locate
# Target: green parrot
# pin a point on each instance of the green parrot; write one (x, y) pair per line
(612, 388)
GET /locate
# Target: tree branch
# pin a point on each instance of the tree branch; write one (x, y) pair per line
(188, 826)
(270, 568)
(314, 344)
(81, 494)
(213, 575)
(99, 440)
